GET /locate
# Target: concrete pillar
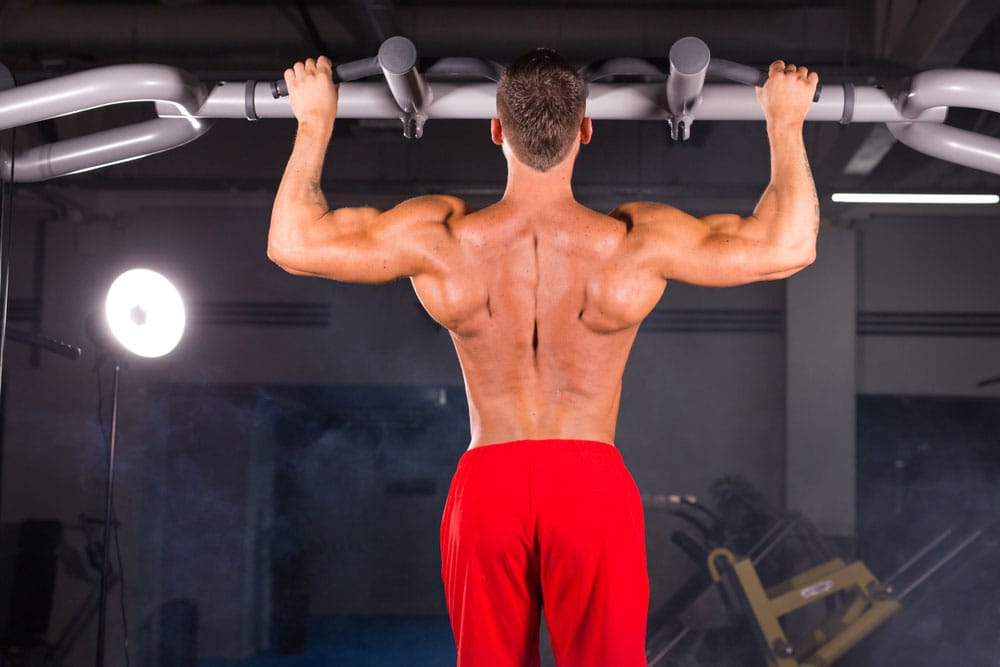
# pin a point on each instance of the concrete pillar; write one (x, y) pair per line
(821, 303)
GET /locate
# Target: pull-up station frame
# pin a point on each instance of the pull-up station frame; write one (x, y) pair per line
(453, 88)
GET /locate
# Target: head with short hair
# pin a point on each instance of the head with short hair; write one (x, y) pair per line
(540, 102)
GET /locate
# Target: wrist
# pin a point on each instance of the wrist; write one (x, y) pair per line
(315, 127)
(785, 125)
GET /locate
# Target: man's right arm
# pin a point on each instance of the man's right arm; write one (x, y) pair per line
(776, 241)
(353, 244)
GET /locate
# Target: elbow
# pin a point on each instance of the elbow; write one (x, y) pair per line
(791, 262)
(281, 257)
(801, 259)
(275, 253)
(808, 256)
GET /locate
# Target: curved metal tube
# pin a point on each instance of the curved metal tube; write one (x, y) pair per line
(974, 89)
(102, 149)
(171, 88)
(944, 88)
(951, 144)
(116, 84)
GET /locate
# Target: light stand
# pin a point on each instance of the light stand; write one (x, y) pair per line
(108, 507)
(145, 314)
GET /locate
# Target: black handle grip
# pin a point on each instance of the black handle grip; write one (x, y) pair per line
(750, 76)
(350, 71)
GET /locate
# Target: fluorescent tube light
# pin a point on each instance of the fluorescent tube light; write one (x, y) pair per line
(897, 198)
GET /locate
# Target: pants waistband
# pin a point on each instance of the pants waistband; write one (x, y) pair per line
(543, 446)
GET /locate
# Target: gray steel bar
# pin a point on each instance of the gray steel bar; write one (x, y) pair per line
(607, 101)
(727, 101)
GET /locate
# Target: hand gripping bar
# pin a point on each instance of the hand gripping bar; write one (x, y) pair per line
(397, 61)
(690, 62)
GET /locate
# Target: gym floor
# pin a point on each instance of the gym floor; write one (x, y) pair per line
(381, 641)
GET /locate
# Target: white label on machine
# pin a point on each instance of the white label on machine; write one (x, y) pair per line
(816, 589)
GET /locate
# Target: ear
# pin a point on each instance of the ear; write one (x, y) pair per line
(496, 131)
(586, 131)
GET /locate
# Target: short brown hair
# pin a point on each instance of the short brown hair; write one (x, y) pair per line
(540, 102)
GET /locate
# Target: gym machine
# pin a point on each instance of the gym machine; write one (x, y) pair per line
(465, 88)
(856, 602)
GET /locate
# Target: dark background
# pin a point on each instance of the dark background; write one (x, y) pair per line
(282, 473)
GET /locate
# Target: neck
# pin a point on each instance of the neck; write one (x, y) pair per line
(526, 184)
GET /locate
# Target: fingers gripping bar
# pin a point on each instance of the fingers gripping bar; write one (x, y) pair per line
(751, 76)
(351, 71)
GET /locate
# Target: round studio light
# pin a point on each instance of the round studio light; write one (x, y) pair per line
(145, 313)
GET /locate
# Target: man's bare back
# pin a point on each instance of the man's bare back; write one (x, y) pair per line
(542, 307)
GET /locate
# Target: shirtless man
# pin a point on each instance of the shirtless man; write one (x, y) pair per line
(543, 298)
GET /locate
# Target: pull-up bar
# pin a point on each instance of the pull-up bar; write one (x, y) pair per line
(185, 107)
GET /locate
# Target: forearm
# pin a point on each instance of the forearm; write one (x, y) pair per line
(787, 215)
(299, 204)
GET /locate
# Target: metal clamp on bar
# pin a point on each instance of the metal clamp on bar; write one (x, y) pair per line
(398, 59)
(689, 58)
(848, 116)
(248, 91)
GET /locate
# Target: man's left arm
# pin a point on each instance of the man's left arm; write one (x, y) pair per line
(359, 244)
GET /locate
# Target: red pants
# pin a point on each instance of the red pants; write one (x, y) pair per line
(557, 522)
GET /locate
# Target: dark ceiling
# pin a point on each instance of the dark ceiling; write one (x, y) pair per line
(862, 41)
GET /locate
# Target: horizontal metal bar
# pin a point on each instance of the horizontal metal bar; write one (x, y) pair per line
(606, 101)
